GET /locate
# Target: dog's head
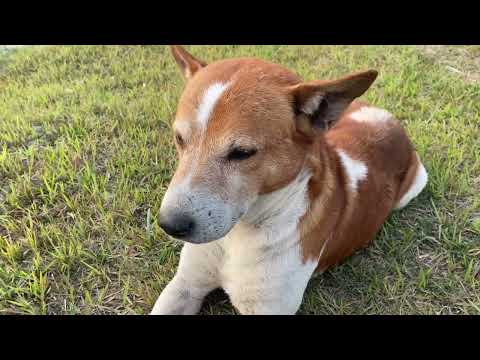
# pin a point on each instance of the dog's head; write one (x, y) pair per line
(242, 129)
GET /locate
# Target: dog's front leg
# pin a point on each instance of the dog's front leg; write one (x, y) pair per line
(267, 307)
(280, 293)
(178, 298)
(195, 278)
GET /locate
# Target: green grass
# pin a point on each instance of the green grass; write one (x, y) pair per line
(86, 156)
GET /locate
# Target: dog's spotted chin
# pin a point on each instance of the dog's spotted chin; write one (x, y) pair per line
(193, 219)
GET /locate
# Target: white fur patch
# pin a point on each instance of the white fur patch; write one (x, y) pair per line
(312, 104)
(289, 201)
(371, 115)
(420, 181)
(210, 98)
(356, 170)
(265, 273)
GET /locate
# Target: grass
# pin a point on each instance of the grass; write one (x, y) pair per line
(86, 156)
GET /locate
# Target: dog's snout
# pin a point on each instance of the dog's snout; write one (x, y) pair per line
(178, 226)
(195, 215)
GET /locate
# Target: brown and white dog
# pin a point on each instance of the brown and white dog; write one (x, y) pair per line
(278, 179)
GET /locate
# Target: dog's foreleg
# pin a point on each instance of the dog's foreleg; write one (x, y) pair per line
(195, 278)
(177, 299)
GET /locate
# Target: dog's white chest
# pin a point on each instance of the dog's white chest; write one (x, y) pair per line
(261, 267)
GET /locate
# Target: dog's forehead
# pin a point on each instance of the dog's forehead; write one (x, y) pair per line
(229, 86)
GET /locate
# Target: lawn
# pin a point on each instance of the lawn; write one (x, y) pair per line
(86, 155)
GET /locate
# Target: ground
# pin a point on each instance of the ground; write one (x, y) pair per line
(86, 156)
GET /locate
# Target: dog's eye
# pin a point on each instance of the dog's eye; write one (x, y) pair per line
(238, 154)
(179, 139)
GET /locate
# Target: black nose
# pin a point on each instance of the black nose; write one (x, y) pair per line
(178, 226)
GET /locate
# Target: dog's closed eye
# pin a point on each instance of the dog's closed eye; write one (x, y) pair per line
(238, 154)
(179, 139)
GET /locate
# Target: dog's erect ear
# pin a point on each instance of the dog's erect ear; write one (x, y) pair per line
(187, 63)
(319, 104)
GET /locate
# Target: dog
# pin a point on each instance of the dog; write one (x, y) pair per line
(278, 180)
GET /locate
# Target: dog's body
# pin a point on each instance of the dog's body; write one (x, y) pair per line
(324, 173)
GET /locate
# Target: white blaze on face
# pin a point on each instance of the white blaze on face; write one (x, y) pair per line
(213, 214)
(356, 170)
(210, 97)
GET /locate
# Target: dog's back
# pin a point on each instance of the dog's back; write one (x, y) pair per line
(375, 169)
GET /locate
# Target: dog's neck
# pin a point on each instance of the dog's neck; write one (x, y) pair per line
(288, 201)
(274, 218)
(276, 221)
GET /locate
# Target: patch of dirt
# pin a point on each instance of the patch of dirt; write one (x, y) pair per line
(458, 59)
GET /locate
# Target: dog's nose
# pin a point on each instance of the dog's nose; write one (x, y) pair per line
(178, 226)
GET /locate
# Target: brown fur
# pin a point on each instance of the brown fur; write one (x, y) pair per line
(260, 107)
(353, 219)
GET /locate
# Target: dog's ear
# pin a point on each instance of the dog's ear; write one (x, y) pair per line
(187, 63)
(319, 104)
